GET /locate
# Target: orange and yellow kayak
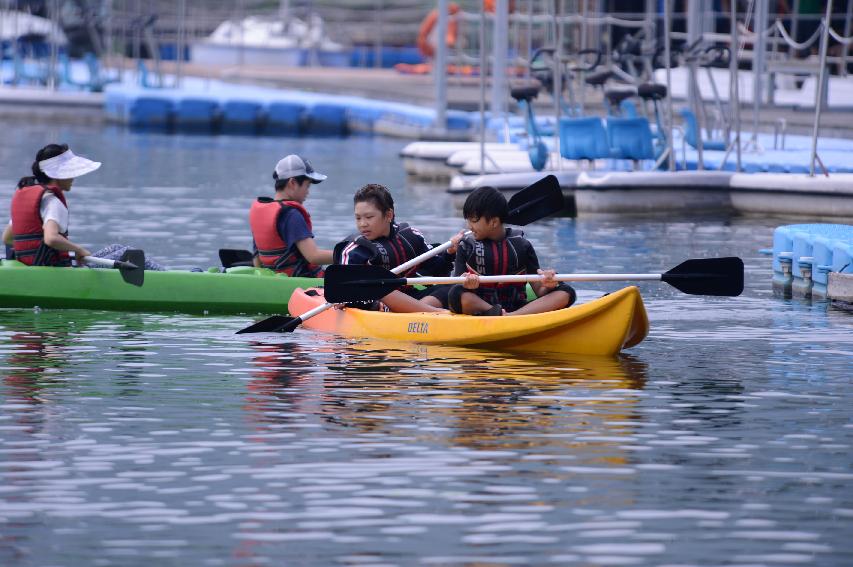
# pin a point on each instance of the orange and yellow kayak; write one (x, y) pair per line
(603, 326)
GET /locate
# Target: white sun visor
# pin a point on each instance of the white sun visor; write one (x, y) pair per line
(68, 166)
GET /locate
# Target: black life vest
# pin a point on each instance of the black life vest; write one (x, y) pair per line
(273, 252)
(403, 244)
(508, 256)
(28, 228)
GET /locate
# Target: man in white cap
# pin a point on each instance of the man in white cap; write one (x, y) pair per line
(39, 226)
(281, 226)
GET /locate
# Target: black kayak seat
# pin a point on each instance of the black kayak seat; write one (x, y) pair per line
(616, 96)
(526, 93)
(598, 79)
(651, 91)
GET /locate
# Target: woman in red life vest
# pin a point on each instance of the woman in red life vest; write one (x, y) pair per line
(281, 227)
(39, 226)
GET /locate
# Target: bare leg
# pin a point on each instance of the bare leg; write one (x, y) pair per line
(399, 302)
(473, 303)
(549, 302)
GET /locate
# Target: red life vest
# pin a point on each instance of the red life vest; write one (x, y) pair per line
(28, 228)
(273, 252)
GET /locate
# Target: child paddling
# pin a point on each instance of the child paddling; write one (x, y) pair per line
(493, 249)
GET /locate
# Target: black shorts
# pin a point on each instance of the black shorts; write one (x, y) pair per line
(438, 291)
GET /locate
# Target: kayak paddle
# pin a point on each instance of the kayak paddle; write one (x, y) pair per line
(536, 201)
(707, 276)
(231, 257)
(131, 265)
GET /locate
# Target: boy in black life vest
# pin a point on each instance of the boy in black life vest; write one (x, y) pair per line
(492, 250)
(281, 227)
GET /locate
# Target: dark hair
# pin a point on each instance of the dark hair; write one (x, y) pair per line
(376, 194)
(485, 202)
(38, 176)
(282, 183)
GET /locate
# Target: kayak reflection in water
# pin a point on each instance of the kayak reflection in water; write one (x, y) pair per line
(382, 241)
(37, 233)
(495, 250)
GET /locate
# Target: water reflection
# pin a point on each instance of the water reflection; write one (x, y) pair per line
(477, 399)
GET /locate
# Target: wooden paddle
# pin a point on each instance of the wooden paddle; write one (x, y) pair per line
(708, 276)
(536, 201)
(131, 265)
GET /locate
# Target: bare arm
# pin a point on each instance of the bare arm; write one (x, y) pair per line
(8, 235)
(55, 240)
(308, 248)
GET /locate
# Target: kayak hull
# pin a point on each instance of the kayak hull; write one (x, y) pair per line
(240, 290)
(600, 327)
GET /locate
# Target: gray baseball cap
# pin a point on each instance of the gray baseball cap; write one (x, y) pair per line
(294, 166)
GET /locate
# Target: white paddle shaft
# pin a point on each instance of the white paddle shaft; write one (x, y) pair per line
(99, 262)
(398, 270)
(520, 278)
(425, 256)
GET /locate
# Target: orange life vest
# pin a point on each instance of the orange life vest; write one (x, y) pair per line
(273, 252)
(28, 228)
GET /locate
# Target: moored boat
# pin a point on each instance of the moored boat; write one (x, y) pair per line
(239, 290)
(603, 326)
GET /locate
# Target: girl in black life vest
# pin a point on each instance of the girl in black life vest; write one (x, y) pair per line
(39, 226)
(381, 241)
(494, 250)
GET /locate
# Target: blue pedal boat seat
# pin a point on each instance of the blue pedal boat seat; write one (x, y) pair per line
(691, 133)
(583, 138)
(630, 138)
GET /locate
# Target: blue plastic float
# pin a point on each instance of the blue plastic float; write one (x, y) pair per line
(804, 254)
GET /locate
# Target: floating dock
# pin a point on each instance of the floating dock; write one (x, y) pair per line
(215, 106)
(805, 255)
(688, 192)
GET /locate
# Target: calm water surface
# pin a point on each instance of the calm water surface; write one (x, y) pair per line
(155, 439)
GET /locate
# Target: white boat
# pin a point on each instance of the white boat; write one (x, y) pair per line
(793, 194)
(510, 183)
(652, 191)
(429, 159)
(261, 41)
(513, 161)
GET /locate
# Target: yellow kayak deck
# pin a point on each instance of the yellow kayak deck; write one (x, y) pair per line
(603, 326)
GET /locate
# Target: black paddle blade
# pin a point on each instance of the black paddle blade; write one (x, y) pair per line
(536, 201)
(269, 325)
(131, 266)
(709, 276)
(346, 283)
(231, 257)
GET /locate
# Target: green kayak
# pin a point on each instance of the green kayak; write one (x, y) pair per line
(239, 290)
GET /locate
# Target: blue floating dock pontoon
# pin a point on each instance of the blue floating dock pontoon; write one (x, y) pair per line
(207, 105)
(196, 114)
(241, 116)
(150, 112)
(804, 254)
(284, 117)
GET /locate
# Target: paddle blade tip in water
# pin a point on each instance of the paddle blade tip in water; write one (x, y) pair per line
(290, 326)
(269, 325)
